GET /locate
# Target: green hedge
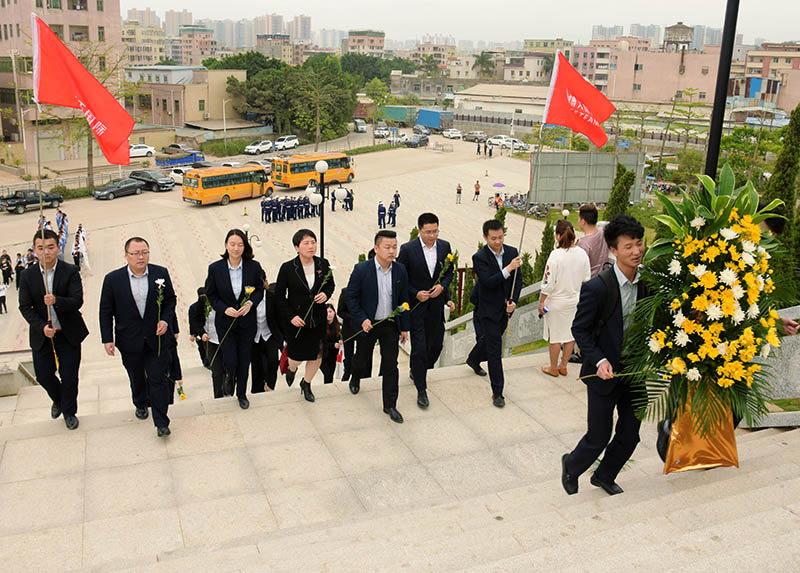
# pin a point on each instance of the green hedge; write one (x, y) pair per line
(71, 193)
(371, 148)
(222, 149)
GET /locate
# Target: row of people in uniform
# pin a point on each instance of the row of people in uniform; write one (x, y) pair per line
(279, 209)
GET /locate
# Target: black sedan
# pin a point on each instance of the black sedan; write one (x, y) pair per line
(118, 188)
(417, 140)
(154, 180)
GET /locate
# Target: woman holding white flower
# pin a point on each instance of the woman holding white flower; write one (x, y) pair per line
(566, 270)
(233, 288)
(302, 288)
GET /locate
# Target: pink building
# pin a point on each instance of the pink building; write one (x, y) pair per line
(584, 59)
(625, 44)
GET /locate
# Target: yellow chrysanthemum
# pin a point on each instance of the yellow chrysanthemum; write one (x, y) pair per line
(772, 337)
(700, 303)
(725, 382)
(675, 304)
(711, 254)
(406, 306)
(678, 366)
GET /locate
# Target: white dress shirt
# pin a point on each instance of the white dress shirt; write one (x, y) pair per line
(139, 289)
(262, 330)
(499, 259)
(430, 256)
(51, 273)
(384, 308)
(236, 278)
(211, 328)
(628, 291)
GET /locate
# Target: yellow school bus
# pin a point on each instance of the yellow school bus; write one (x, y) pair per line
(299, 171)
(223, 184)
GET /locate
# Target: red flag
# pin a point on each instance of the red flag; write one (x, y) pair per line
(575, 103)
(60, 79)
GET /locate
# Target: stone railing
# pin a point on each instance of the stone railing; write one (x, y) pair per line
(523, 327)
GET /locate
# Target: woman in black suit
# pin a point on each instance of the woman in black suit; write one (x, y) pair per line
(227, 286)
(304, 282)
(331, 344)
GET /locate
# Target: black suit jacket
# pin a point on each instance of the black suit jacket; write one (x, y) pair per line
(197, 317)
(220, 294)
(120, 322)
(419, 279)
(344, 313)
(68, 291)
(362, 293)
(294, 297)
(495, 290)
(608, 343)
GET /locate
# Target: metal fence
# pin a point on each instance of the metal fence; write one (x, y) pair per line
(76, 182)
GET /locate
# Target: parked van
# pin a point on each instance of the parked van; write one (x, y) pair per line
(360, 126)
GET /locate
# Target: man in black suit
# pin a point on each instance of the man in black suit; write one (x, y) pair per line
(376, 288)
(55, 337)
(131, 320)
(197, 321)
(601, 347)
(499, 292)
(268, 342)
(424, 259)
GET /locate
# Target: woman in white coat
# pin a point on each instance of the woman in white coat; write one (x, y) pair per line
(567, 268)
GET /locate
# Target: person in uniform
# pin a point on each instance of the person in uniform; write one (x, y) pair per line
(392, 214)
(381, 215)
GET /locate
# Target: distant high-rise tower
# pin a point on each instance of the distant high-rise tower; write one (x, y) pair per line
(651, 31)
(606, 32)
(146, 17)
(300, 29)
(173, 20)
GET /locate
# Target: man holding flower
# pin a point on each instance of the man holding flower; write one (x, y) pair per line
(377, 298)
(137, 305)
(429, 263)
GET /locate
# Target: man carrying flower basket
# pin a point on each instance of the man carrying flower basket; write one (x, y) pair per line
(377, 298)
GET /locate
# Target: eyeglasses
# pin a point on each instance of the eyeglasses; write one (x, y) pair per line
(430, 233)
(138, 254)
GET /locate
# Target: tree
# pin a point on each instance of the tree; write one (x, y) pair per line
(466, 291)
(548, 244)
(549, 62)
(485, 64)
(690, 163)
(667, 125)
(365, 68)
(454, 286)
(414, 233)
(166, 62)
(783, 185)
(745, 153)
(687, 117)
(620, 193)
(254, 62)
(527, 270)
(430, 66)
(500, 215)
(377, 91)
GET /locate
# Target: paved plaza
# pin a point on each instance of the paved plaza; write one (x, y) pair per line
(334, 485)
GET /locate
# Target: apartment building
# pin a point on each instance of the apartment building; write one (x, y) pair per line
(364, 42)
(144, 45)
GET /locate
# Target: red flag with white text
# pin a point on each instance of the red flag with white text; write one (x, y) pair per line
(60, 79)
(575, 103)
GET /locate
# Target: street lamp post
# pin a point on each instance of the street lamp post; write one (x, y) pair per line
(253, 239)
(317, 197)
(224, 125)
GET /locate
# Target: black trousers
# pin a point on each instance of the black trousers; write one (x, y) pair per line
(427, 337)
(264, 363)
(328, 366)
(63, 391)
(217, 370)
(3, 307)
(349, 353)
(147, 372)
(600, 418)
(201, 350)
(489, 348)
(236, 354)
(388, 335)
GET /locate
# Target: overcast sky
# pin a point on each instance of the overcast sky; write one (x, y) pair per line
(501, 20)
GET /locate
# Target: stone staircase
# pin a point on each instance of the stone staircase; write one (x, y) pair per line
(335, 486)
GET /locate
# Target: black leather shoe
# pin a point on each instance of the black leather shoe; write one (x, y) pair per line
(394, 415)
(355, 386)
(498, 400)
(346, 376)
(576, 358)
(71, 421)
(228, 385)
(290, 377)
(141, 413)
(244, 403)
(55, 410)
(305, 390)
(476, 368)
(570, 483)
(422, 399)
(610, 487)
(163, 431)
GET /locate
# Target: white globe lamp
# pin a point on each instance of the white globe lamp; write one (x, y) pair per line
(315, 198)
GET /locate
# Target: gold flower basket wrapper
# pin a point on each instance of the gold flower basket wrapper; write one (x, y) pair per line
(688, 450)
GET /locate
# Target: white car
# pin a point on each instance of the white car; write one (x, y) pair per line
(286, 142)
(231, 163)
(177, 173)
(397, 138)
(258, 147)
(381, 132)
(501, 140)
(142, 150)
(452, 133)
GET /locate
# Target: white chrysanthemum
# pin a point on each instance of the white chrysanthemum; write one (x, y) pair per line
(693, 375)
(760, 282)
(765, 350)
(738, 291)
(675, 267)
(748, 246)
(753, 311)
(748, 259)
(681, 338)
(699, 271)
(654, 347)
(714, 312)
(698, 222)
(738, 315)
(722, 348)
(728, 234)
(728, 276)
(763, 252)
(678, 320)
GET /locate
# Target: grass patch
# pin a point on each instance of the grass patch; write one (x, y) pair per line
(530, 346)
(371, 148)
(787, 404)
(222, 149)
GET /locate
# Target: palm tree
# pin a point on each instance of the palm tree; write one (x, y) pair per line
(430, 65)
(484, 62)
(549, 60)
